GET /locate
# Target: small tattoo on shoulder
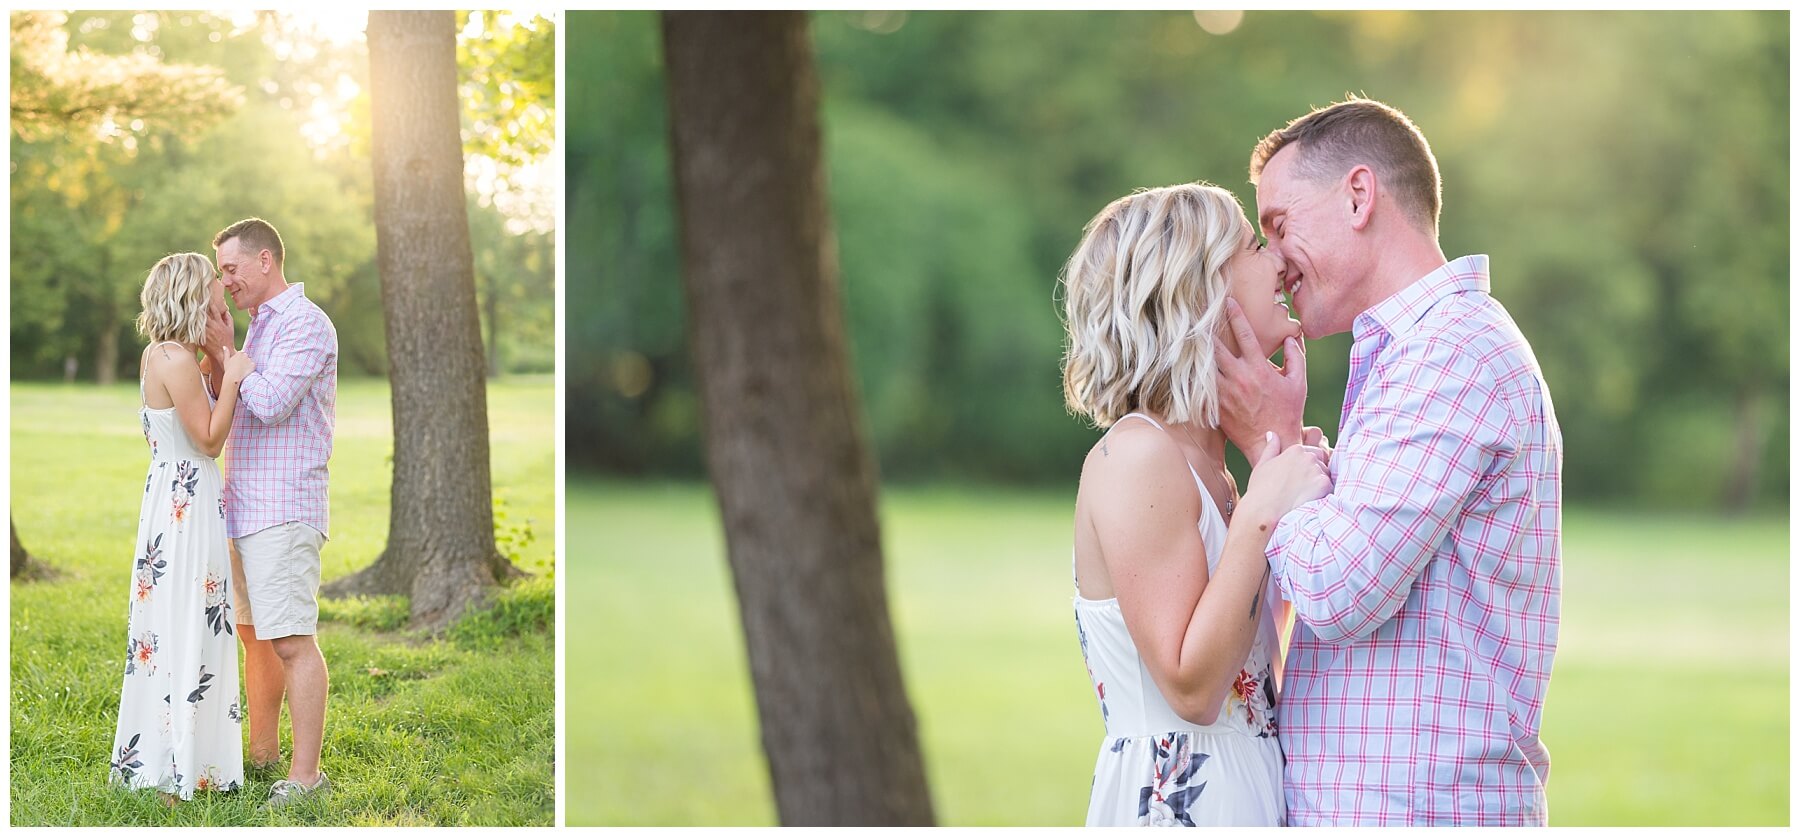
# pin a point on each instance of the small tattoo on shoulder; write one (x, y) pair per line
(1103, 450)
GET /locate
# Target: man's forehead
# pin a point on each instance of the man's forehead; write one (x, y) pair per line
(232, 248)
(1269, 186)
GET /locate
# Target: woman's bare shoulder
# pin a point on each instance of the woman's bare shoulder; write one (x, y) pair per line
(1133, 457)
(170, 356)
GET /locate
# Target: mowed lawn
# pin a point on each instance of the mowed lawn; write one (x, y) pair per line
(453, 731)
(1669, 703)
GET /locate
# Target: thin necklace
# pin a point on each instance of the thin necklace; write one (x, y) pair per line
(1230, 501)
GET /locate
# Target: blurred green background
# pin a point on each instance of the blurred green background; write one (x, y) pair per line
(1627, 173)
(283, 136)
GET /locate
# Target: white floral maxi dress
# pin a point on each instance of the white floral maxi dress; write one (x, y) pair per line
(1154, 767)
(179, 719)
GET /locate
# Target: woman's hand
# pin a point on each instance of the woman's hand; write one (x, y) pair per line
(238, 365)
(1315, 437)
(1282, 481)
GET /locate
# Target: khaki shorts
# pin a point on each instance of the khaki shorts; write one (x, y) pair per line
(275, 575)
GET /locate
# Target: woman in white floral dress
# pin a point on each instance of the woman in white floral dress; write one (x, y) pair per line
(1173, 604)
(179, 718)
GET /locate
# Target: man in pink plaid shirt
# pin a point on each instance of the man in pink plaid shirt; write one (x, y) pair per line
(275, 500)
(1427, 586)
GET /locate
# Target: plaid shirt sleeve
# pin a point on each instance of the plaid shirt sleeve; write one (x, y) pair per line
(1415, 447)
(298, 356)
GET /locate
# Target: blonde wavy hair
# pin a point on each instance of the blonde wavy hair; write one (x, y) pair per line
(175, 299)
(1142, 297)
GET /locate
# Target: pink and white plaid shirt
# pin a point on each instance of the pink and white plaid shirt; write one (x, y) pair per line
(1427, 586)
(281, 432)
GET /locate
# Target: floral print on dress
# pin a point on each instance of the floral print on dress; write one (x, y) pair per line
(150, 567)
(148, 436)
(1166, 800)
(1099, 687)
(140, 654)
(1252, 698)
(174, 770)
(218, 605)
(187, 477)
(180, 688)
(199, 693)
(126, 763)
(210, 779)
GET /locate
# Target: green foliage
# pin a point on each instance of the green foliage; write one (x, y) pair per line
(525, 608)
(508, 64)
(371, 613)
(512, 537)
(283, 136)
(422, 732)
(515, 284)
(1671, 671)
(58, 90)
(1626, 172)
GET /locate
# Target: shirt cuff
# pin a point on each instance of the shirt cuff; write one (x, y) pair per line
(1286, 529)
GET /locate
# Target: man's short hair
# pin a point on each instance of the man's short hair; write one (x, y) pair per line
(256, 234)
(1357, 131)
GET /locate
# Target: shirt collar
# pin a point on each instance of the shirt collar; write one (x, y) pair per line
(1400, 312)
(281, 301)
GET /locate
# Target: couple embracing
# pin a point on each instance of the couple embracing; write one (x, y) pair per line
(232, 550)
(1420, 560)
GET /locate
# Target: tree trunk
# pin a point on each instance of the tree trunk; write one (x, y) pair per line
(23, 565)
(1740, 492)
(440, 547)
(20, 558)
(106, 353)
(795, 481)
(491, 301)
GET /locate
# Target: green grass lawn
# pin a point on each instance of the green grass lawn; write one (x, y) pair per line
(1669, 703)
(451, 731)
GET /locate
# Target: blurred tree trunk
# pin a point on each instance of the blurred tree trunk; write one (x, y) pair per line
(106, 353)
(23, 565)
(795, 481)
(1746, 471)
(20, 558)
(440, 548)
(491, 304)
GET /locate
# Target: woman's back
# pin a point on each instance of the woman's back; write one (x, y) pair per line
(180, 640)
(1154, 767)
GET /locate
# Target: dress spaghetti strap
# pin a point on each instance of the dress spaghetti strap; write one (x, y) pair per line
(142, 401)
(1184, 457)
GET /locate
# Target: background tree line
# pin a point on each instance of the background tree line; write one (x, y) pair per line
(137, 134)
(1627, 172)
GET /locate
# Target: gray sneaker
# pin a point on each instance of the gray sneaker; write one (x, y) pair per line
(287, 792)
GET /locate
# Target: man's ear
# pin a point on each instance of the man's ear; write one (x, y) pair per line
(1361, 184)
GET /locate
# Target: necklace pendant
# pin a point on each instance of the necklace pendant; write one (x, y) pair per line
(1230, 506)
